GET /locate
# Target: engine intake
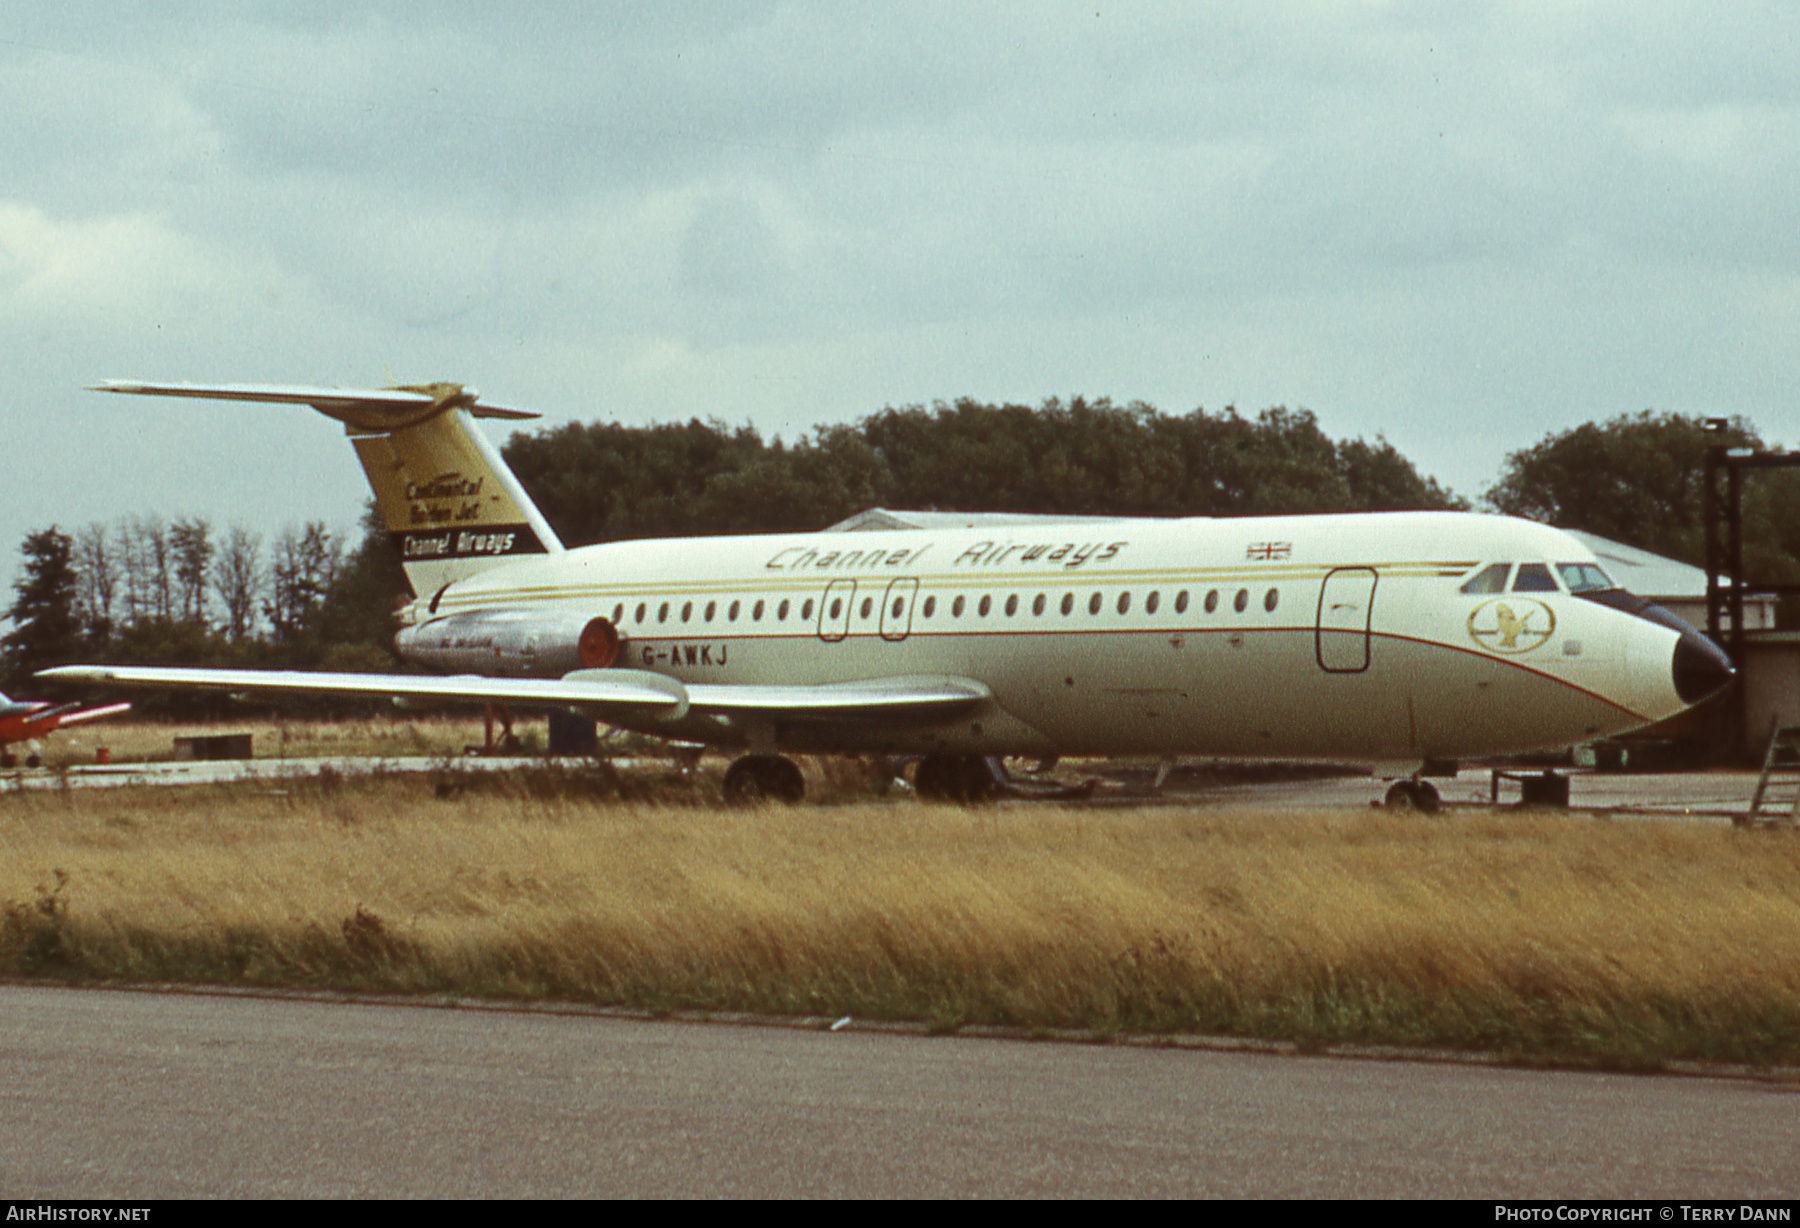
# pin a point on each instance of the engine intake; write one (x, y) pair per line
(511, 643)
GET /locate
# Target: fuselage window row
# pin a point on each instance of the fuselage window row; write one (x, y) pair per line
(1040, 604)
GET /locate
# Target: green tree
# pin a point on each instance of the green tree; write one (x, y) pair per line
(604, 481)
(358, 607)
(46, 630)
(1638, 478)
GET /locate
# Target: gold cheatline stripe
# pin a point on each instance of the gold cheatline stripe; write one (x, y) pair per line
(1000, 581)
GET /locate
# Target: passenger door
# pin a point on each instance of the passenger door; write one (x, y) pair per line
(1346, 605)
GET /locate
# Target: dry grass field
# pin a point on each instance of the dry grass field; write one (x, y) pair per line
(135, 741)
(1541, 938)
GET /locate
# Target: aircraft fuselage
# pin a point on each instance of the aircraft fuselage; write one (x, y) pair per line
(1340, 637)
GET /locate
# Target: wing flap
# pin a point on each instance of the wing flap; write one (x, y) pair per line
(637, 693)
(919, 696)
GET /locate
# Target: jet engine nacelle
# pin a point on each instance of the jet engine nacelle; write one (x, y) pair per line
(511, 643)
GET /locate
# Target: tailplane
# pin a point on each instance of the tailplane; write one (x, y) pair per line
(451, 505)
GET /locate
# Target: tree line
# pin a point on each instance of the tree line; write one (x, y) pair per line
(146, 590)
(604, 482)
(183, 592)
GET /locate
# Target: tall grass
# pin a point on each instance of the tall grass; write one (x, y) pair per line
(1540, 938)
(387, 737)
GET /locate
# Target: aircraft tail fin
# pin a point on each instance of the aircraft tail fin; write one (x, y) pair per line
(451, 505)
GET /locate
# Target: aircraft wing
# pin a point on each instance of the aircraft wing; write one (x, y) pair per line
(56, 719)
(617, 695)
(603, 691)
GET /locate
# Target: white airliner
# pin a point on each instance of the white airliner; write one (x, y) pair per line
(1400, 639)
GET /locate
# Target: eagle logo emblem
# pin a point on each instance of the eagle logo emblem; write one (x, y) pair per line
(1511, 624)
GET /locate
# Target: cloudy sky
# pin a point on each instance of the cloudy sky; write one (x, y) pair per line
(1456, 225)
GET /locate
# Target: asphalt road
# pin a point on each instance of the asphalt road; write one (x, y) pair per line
(138, 1095)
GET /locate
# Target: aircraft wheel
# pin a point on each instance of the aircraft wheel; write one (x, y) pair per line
(8, 759)
(34, 761)
(1419, 795)
(978, 785)
(934, 779)
(962, 779)
(764, 778)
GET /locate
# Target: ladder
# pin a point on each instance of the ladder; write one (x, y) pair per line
(1777, 796)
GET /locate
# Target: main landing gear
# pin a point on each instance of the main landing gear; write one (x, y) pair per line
(963, 779)
(764, 778)
(1420, 795)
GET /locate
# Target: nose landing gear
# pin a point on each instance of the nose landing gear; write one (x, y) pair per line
(1419, 795)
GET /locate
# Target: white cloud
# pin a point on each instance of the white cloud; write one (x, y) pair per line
(1462, 226)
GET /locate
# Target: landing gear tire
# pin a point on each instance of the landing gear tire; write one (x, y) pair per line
(8, 759)
(764, 778)
(34, 761)
(1419, 795)
(963, 780)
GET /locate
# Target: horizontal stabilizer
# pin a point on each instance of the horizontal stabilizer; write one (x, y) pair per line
(450, 504)
(363, 409)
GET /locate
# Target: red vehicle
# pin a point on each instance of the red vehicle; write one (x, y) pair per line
(24, 721)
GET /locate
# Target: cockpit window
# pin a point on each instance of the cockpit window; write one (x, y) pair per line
(1584, 577)
(1533, 578)
(1490, 579)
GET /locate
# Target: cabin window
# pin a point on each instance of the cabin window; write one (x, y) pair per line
(687, 611)
(756, 612)
(1094, 604)
(930, 606)
(639, 616)
(732, 613)
(1533, 578)
(1241, 602)
(805, 609)
(1271, 599)
(899, 607)
(1124, 603)
(1012, 605)
(618, 613)
(1490, 579)
(1181, 602)
(662, 612)
(868, 604)
(712, 607)
(987, 603)
(781, 612)
(1584, 577)
(1068, 603)
(1212, 600)
(956, 608)
(1151, 602)
(1037, 604)
(837, 607)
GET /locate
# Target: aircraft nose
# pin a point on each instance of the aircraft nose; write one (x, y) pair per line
(1701, 668)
